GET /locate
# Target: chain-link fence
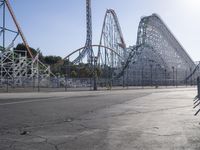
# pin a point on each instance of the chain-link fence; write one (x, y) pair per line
(49, 84)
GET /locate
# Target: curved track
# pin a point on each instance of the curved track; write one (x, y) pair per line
(155, 46)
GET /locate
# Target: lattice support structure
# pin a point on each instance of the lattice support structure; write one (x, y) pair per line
(111, 37)
(157, 58)
(87, 51)
(18, 70)
(17, 67)
(162, 61)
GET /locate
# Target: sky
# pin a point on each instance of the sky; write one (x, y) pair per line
(59, 27)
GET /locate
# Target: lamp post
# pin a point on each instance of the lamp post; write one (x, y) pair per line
(186, 78)
(142, 77)
(38, 79)
(69, 70)
(176, 77)
(67, 63)
(191, 76)
(95, 74)
(173, 75)
(127, 78)
(123, 75)
(6, 84)
(151, 66)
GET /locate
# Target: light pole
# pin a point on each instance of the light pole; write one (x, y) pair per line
(191, 76)
(151, 66)
(6, 84)
(38, 78)
(127, 80)
(176, 77)
(142, 77)
(166, 77)
(95, 74)
(123, 75)
(186, 78)
(69, 70)
(173, 75)
(67, 63)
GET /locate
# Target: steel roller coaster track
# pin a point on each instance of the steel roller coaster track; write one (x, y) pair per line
(154, 38)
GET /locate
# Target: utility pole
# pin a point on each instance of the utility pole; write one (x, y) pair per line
(95, 74)
(173, 75)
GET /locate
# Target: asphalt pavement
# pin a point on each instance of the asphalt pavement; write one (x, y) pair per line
(140, 119)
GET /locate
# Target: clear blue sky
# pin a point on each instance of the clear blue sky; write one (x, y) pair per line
(57, 27)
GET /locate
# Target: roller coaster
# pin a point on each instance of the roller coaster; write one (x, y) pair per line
(18, 67)
(157, 58)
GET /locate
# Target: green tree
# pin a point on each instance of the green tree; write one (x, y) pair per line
(50, 60)
(73, 74)
(22, 47)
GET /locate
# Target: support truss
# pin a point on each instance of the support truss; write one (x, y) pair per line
(111, 37)
(87, 51)
(17, 67)
(162, 57)
(156, 59)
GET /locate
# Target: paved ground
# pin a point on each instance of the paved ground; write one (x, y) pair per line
(151, 119)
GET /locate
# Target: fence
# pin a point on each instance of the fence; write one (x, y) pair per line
(24, 84)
